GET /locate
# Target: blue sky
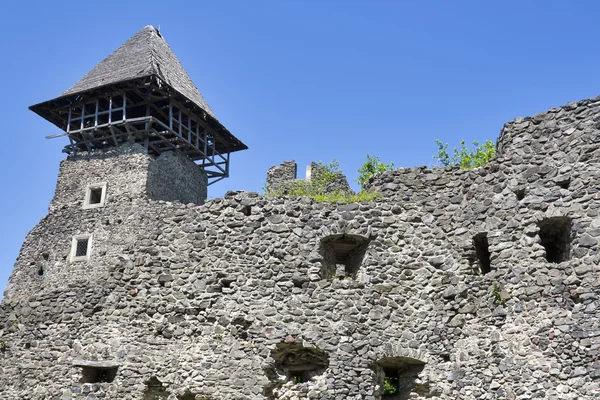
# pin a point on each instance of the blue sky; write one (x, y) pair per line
(304, 80)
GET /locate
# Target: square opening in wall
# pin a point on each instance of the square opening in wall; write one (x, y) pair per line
(555, 236)
(398, 378)
(97, 371)
(95, 195)
(342, 255)
(390, 383)
(98, 375)
(81, 248)
(482, 252)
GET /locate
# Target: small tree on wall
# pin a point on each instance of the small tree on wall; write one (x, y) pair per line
(465, 157)
(372, 167)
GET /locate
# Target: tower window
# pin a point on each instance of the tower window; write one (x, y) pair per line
(95, 195)
(81, 248)
(555, 236)
(482, 252)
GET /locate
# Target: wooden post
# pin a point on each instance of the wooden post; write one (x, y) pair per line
(96, 114)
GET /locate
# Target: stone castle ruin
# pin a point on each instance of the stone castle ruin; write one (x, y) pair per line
(454, 284)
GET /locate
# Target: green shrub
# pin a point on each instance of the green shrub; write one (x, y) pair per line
(497, 294)
(464, 157)
(317, 187)
(372, 167)
(389, 386)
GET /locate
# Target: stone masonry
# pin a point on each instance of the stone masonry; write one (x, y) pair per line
(453, 284)
(283, 177)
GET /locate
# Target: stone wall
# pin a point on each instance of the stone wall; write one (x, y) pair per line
(129, 173)
(442, 284)
(126, 169)
(174, 177)
(281, 178)
(278, 176)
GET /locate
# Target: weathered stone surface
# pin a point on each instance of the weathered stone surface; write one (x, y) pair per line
(282, 177)
(191, 300)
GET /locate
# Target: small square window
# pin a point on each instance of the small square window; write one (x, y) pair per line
(95, 195)
(81, 247)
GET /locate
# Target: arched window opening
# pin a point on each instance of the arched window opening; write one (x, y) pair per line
(342, 255)
(97, 371)
(299, 363)
(555, 236)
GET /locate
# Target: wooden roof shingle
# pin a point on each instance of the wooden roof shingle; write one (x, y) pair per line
(145, 54)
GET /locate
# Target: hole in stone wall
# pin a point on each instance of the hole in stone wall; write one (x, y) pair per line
(398, 378)
(155, 390)
(188, 396)
(247, 210)
(41, 271)
(226, 282)
(46, 256)
(520, 193)
(300, 364)
(98, 374)
(299, 282)
(564, 182)
(555, 236)
(482, 252)
(242, 325)
(574, 296)
(342, 255)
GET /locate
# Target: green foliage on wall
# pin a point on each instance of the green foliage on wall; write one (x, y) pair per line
(466, 158)
(497, 294)
(372, 167)
(317, 187)
(389, 386)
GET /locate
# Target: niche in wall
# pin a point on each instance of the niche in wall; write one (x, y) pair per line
(155, 390)
(342, 255)
(482, 252)
(97, 371)
(555, 236)
(397, 378)
(299, 363)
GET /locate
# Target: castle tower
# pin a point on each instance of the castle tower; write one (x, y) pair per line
(141, 94)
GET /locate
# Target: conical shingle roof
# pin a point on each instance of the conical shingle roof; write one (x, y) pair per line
(145, 54)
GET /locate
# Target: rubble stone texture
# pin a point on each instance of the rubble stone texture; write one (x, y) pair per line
(283, 177)
(453, 298)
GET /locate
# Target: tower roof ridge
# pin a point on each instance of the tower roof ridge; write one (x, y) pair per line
(145, 54)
